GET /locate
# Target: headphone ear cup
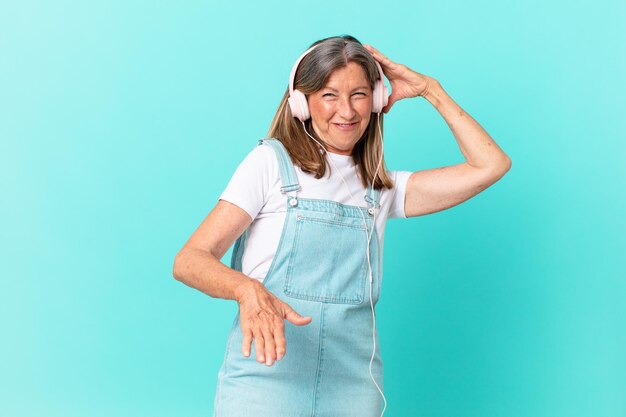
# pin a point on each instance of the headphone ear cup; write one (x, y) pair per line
(380, 96)
(298, 105)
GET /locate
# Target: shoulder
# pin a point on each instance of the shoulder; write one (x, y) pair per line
(261, 154)
(394, 198)
(399, 178)
(254, 180)
(259, 162)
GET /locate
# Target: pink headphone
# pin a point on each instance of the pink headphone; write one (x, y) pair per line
(300, 108)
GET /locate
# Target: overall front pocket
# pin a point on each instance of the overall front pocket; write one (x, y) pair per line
(328, 261)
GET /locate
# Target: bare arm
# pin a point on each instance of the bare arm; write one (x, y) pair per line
(437, 189)
(198, 265)
(433, 190)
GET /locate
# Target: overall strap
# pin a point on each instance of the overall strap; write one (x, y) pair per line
(288, 178)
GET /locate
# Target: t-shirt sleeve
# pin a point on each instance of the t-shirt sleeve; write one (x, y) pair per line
(250, 184)
(396, 207)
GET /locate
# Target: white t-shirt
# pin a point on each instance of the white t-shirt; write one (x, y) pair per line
(255, 188)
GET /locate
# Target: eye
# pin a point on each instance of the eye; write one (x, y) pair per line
(328, 95)
(360, 93)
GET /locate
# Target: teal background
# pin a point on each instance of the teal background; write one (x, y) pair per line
(122, 122)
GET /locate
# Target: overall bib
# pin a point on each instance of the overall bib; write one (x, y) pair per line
(321, 270)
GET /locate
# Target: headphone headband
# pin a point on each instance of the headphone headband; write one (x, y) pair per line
(295, 67)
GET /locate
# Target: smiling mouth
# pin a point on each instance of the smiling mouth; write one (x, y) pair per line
(346, 125)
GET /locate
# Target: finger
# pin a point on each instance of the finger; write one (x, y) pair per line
(384, 61)
(392, 99)
(370, 47)
(259, 346)
(279, 338)
(294, 317)
(247, 342)
(270, 346)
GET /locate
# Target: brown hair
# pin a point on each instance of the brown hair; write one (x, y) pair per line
(311, 76)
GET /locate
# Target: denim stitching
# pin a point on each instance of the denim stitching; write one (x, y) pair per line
(329, 222)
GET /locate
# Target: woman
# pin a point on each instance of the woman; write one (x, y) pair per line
(306, 210)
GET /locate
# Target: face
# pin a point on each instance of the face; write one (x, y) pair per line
(340, 112)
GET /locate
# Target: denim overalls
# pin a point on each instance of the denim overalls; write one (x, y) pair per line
(321, 270)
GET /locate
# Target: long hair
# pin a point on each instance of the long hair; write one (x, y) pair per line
(312, 75)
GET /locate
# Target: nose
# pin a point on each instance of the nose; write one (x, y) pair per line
(345, 108)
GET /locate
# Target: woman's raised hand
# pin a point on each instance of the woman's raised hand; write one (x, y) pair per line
(405, 82)
(262, 317)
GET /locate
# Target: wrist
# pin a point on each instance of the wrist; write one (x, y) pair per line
(434, 92)
(244, 287)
